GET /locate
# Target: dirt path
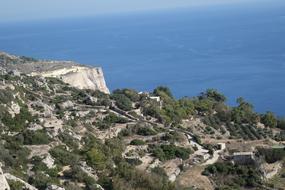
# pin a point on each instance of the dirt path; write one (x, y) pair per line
(215, 157)
(194, 178)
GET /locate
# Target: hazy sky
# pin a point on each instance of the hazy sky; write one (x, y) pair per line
(45, 9)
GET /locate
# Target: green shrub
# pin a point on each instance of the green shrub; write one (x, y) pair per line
(123, 102)
(58, 99)
(281, 123)
(96, 158)
(280, 136)
(233, 176)
(78, 175)
(172, 111)
(244, 113)
(38, 165)
(163, 92)
(41, 181)
(69, 140)
(15, 185)
(131, 94)
(272, 155)
(110, 120)
(213, 95)
(115, 148)
(137, 142)
(223, 112)
(6, 96)
(269, 119)
(35, 137)
(129, 178)
(64, 157)
(146, 131)
(20, 121)
(168, 152)
(152, 110)
(173, 137)
(113, 118)
(13, 154)
(159, 171)
(134, 161)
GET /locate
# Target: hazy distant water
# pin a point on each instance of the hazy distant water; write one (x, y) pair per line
(240, 51)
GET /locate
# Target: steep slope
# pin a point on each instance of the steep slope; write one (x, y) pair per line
(53, 135)
(80, 76)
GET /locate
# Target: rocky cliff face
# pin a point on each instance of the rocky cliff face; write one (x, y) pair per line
(3, 182)
(77, 75)
(80, 77)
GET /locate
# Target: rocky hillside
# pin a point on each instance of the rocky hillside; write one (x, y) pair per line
(80, 76)
(54, 136)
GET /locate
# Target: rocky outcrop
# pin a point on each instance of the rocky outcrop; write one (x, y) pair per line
(54, 187)
(3, 182)
(270, 170)
(77, 75)
(66, 105)
(172, 168)
(81, 77)
(25, 184)
(15, 109)
(49, 161)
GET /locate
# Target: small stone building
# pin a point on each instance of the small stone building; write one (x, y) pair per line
(243, 158)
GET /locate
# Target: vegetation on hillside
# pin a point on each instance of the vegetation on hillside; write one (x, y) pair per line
(228, 176)
(69, 137)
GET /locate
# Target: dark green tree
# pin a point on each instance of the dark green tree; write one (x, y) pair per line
(214, 95)
(269, 119)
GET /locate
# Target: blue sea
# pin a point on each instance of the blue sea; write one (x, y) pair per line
(239, 50)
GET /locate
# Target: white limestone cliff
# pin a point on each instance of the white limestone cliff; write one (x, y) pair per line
(3, 182)
(81, 77)
(77, 75)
